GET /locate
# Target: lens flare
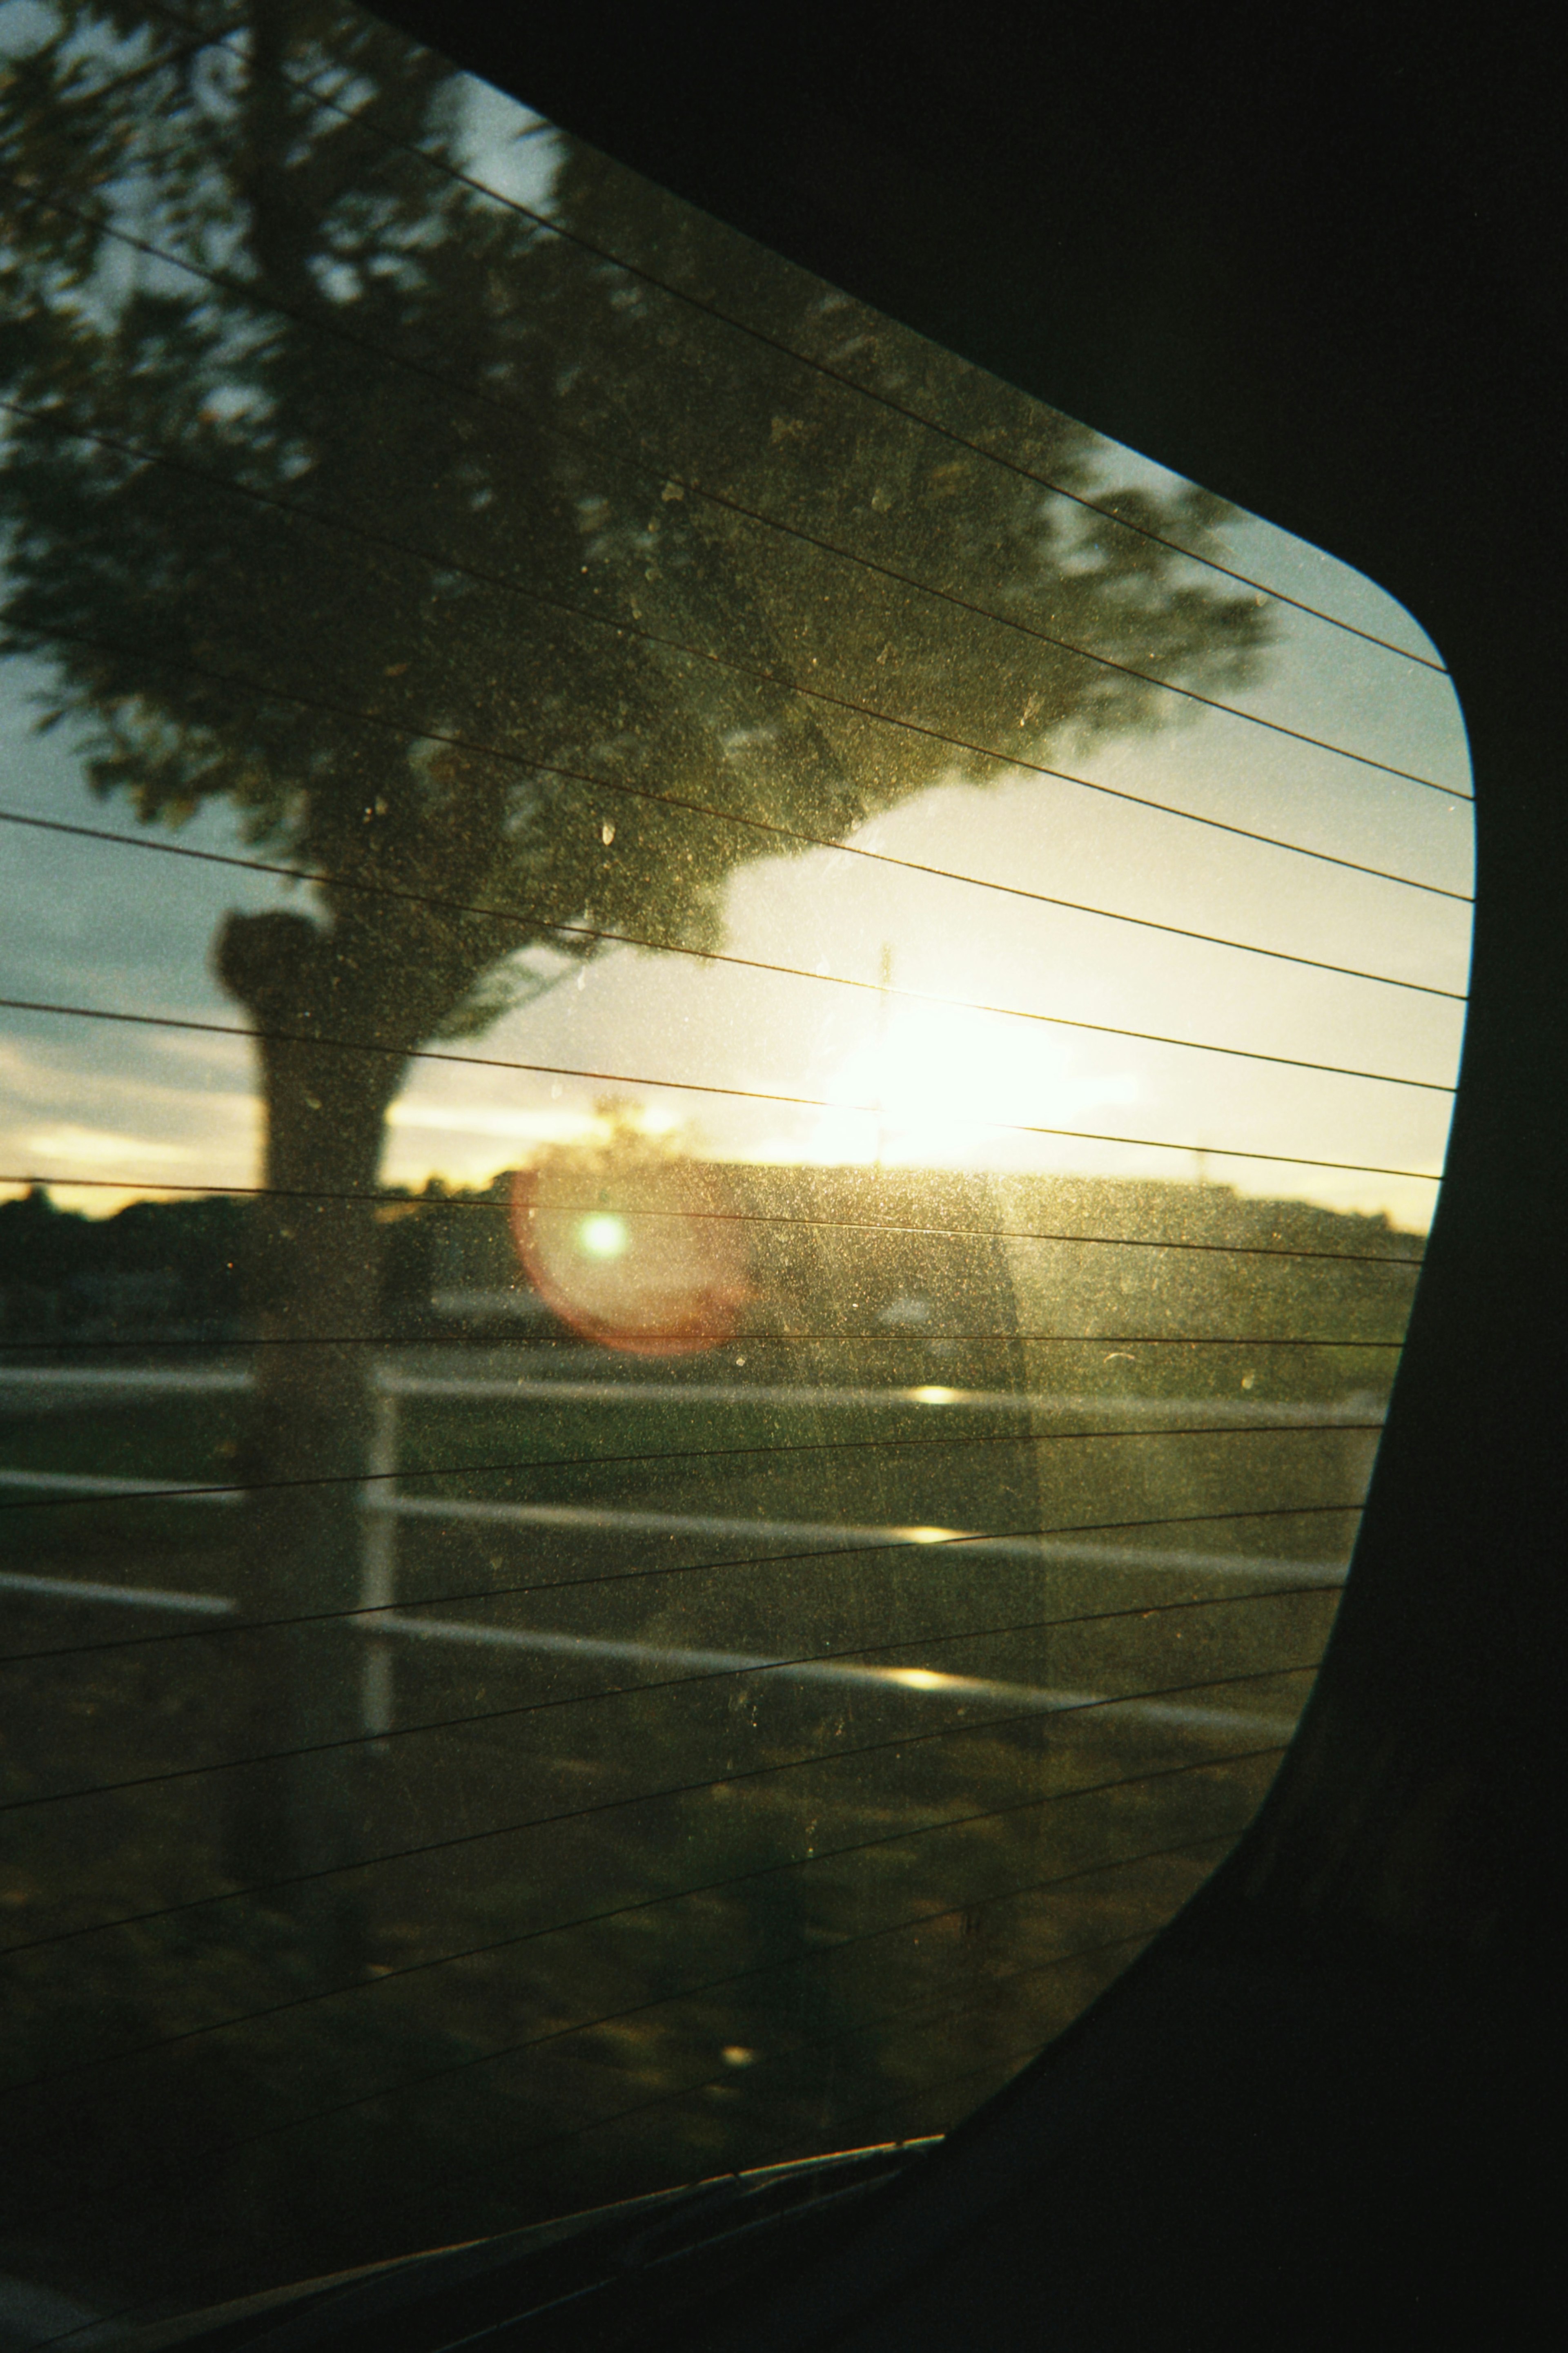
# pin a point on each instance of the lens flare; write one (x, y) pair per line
(635, 1251)
(604, 1235)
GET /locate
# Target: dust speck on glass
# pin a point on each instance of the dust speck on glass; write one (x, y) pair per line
(725, 1056)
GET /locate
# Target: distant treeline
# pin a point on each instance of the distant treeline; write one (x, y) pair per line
(832, 1250)
(162, 1269)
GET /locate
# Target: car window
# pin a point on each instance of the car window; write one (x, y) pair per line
(726, 1056)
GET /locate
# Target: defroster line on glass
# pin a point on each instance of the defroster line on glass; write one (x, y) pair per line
(401, 1054)
(444, 559)
(510, 2051)
(1214, 1763)
(381, 1198)
(421, 731)
(744, 964)
(1327, 1577)
(101, 2062)
(1043, 1704)
(885, 1337)
(814, 366)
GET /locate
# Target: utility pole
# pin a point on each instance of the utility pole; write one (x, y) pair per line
(884, 982)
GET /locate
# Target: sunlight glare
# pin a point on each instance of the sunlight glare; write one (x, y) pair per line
(921, 1090)
(604, 1235)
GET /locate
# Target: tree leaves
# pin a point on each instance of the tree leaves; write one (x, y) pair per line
(336, 484)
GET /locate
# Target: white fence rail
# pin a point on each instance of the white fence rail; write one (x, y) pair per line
(383, 1624)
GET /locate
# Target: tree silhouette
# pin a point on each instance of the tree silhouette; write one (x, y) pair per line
(510, 598)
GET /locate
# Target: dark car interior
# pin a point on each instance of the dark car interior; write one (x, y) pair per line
(1315, 263)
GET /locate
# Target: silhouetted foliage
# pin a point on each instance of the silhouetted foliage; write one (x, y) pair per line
(341, 489)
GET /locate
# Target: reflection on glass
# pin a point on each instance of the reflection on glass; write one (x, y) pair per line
(725, 1056)
(632, 1246)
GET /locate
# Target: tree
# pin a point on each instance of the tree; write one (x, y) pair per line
(340, 490)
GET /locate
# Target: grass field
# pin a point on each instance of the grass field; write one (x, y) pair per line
(623, 1927)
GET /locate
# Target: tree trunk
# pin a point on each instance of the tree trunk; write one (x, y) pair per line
(302, 1818)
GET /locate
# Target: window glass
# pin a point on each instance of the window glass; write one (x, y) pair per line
(725, 1056)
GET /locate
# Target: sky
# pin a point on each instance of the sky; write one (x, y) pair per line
(971, 1055)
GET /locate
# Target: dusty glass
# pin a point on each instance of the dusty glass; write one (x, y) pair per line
(726, 1056)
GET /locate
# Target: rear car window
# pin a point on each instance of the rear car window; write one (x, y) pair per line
(726, 1056)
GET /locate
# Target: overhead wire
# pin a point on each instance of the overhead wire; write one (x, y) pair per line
(720, 956)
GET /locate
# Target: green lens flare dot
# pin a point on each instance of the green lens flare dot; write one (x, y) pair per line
(602, 1235)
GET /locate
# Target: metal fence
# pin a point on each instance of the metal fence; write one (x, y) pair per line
(382, 1625)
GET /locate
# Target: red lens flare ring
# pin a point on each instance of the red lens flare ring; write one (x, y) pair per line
(638, 1258)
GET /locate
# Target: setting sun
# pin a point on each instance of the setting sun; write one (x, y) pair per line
(922, 1090)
